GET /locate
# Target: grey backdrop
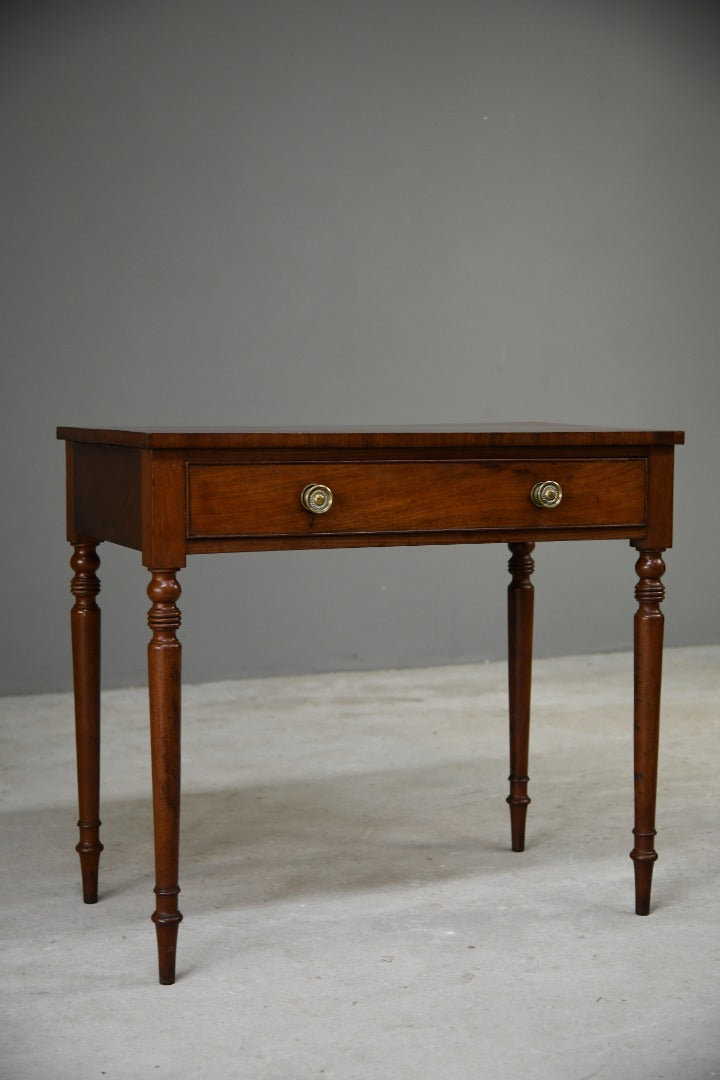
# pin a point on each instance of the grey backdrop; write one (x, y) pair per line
(352, 211)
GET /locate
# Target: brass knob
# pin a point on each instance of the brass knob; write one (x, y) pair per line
(317, 498)
(546, 494)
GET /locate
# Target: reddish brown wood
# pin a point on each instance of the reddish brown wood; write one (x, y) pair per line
(164, 508)
(85, 631)
(649, 623)
(659, 533)
(521, 596)
(164, 669)
(106, 493)
(321, 541)
(173, 493)
(430, 496)
(494, 436)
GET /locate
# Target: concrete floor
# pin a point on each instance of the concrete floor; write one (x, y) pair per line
(352, 909)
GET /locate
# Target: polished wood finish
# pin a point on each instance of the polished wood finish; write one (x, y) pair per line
(521, 596)
(174, 493)
(164, 666)
(106, 493)
(445, 436)
(649, 625)
(262, 500)
(85, 632)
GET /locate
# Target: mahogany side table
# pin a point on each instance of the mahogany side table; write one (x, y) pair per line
(170, 494)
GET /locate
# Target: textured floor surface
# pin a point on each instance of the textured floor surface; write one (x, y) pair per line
(352, 908)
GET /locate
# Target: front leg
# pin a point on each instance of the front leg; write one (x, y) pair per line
(520, 635)
(85, 631)
(164, 668)
(649, 625)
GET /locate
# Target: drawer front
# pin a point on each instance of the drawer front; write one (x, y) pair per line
(404, 497)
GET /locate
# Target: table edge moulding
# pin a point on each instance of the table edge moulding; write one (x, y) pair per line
(170, 493)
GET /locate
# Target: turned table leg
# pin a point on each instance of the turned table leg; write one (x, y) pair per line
(85, 631)
(520, 632)
(164, 667)
(649, 621)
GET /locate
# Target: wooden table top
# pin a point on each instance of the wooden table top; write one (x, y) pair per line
(480, 436)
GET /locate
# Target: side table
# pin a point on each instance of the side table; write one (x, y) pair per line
(173, 493)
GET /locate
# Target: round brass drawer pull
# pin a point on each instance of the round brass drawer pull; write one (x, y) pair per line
(546, 494)
(317, 498)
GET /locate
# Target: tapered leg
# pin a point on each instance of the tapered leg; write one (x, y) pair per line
(85, 630)
(649, 621)
(164, 667)
(520, 633)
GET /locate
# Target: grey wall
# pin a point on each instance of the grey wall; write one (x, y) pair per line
(341, 212)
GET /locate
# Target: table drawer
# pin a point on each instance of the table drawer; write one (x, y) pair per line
(425, 496)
